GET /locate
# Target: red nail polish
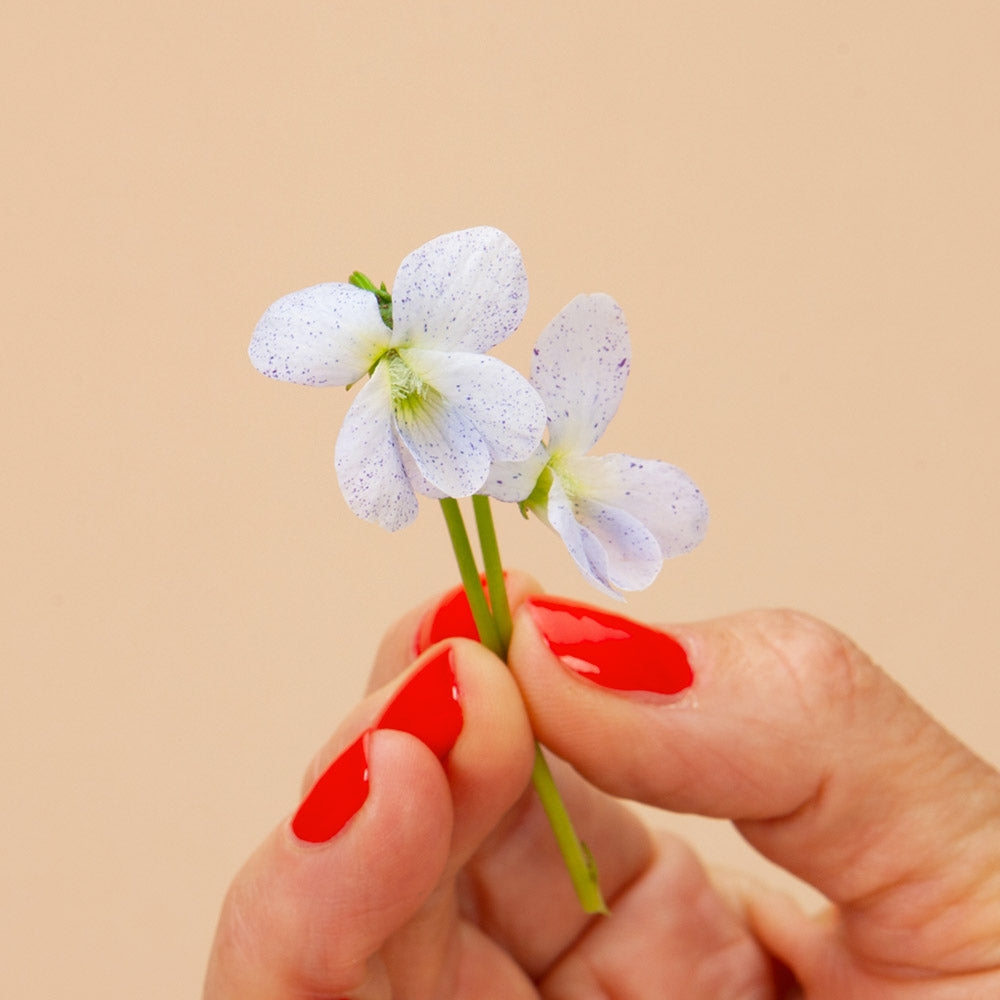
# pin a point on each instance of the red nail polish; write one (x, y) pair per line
(609, 650)
(427, 705)
(338, 794)
(450, 618)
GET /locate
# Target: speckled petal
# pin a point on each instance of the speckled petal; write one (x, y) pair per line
(632, 554)
(417, 479)
(369, 466)
(448, 450)
(324, 335)
(464, 291)
(579, 367)
(585, 549)
(658, 494)
(497, 400)
(512, 482)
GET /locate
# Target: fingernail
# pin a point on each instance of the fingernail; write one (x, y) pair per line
(609, 650)
(427, 705)
(450, 618)
(338, 794)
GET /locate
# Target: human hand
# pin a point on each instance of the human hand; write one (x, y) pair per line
(443, 881)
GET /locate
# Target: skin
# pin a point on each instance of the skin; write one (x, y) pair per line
(446, 886)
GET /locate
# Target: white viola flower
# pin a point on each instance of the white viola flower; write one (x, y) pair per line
(619, 516)
(435, 411)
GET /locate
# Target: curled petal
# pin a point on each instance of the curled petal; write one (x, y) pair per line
(445, 445)
(324, 335)
(368, 460)
(659, 495)
(512, 482)
(579, 367)
(464, 291)
(581, 543)
(496, 399)
(632, 557)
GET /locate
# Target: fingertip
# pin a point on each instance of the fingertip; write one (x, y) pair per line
(490, 764)
(383, 773)
(520, 585)
(408, 820)
(601, 731)
(318, 897)
(687, 720)
(463, 704)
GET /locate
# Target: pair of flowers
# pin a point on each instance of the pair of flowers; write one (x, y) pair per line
(441, 418)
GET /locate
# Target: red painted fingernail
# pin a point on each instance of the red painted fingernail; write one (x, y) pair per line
(427, 705)
(450, 618)
(609, 650)
(338, 794)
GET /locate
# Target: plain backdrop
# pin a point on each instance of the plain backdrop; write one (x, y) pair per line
(797, 206)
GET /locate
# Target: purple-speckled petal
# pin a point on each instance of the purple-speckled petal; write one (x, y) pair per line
(464, 291)
(496, 399)
(324, 335)
(579, 367)
(448, 449)
(658, 494)
(582, 545)
(631, 555)
(369, 466)
(417, 479)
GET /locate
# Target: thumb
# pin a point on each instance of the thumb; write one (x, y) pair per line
(780, 723)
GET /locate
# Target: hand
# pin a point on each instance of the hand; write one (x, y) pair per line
(439, 879)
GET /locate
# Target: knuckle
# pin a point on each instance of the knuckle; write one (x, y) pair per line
(827, 670)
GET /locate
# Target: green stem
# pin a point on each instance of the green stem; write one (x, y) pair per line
(579, 860)
(494, 633)
(494, 570)
(470, 576)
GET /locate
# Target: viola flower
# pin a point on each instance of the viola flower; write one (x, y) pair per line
(436, 412)
(619, 516)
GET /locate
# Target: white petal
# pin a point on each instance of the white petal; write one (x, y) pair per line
(497, 400)
(448, 450)
(583, 547)
(658, 494)
(417, 479)
(369, 467)
(579, 367)
(512, 482)
(325, 335)
(462, 291)
(633, 557)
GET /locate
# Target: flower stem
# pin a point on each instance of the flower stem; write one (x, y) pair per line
(576, 854)
(496, 628)
(494, 570)
(470, 577)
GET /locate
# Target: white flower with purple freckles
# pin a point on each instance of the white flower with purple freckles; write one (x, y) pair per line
(436, 412)
(619, 516)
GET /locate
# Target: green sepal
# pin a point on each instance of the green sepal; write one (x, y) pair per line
(538, 498)
(384, 296)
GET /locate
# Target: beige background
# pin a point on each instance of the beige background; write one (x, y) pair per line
(795, 203)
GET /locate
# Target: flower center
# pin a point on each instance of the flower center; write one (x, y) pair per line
(561, 465)
(409, 391)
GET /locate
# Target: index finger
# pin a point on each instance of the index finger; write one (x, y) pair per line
(825, 764)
